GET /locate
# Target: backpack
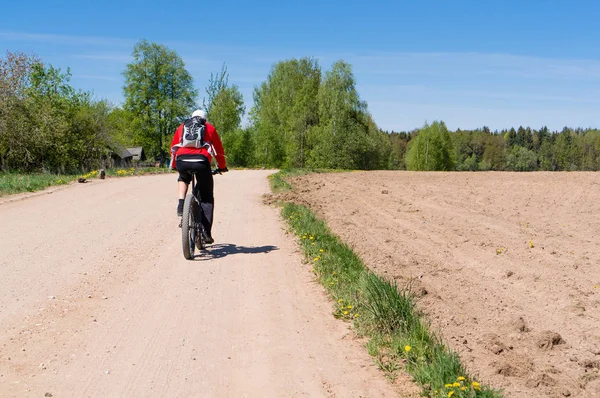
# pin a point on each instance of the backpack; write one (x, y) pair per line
(193, 133)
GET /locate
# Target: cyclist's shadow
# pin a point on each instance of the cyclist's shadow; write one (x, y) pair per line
(220, 250)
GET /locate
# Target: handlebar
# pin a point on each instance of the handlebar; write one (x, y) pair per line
(220, 171)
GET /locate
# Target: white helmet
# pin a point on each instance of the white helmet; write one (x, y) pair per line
(200, 113)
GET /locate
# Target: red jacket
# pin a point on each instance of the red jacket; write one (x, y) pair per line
(210, 136)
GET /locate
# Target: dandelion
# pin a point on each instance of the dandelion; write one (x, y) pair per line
(475, 384)
(321, 250)
(461, 378)
(455, 384)
(345, 312)
(311, 238)
(463, 388)
(303, 236)
(407, 348)
(316, 259)
(448, 385)
(340, 301)
(451, 393)
(349, 307)
(331, 283)
(356, 315)
(313, 243)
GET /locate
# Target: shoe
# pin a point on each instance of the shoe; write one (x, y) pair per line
(208, 239)
(179, 212)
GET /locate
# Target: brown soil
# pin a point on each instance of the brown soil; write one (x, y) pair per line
(506, 265)
(96, 300)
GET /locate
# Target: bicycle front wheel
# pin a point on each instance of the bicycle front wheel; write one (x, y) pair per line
(188, 227)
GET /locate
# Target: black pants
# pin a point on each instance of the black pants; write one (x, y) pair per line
(199, 166)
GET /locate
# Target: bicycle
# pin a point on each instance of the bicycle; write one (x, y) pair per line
(192, 229)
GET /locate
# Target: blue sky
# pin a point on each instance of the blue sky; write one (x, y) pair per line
(470, 63)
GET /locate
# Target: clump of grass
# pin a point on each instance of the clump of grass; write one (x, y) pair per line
(278, 180)
(382, 311)
(13, 183)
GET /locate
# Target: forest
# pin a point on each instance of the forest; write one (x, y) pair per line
(301, 117)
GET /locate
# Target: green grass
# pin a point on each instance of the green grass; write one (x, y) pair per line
(13, 183)
(399, 336)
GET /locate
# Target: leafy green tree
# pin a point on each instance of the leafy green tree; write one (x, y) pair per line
(45, 124)
(159, 94)
(342, 139)
(227, 110)
(493, 153)
(285, 110)
(120, 122)
(521, 159)
(431, 149)
(216, 83)
(240, 147)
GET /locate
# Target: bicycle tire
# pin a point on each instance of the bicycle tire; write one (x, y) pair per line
(188, 227)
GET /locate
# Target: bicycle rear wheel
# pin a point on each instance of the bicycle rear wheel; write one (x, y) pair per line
(188, 227)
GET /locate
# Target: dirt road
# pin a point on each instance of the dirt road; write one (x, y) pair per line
(506, 264)
(96, 300)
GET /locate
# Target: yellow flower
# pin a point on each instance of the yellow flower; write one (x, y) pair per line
(475, 384)
(311, 238)
(455, 384)
(340, 301)
(316, 259)
(451, 393)
(407, 348)
(356, 315)
(531, 244)
(303, 236)
(321, 250)
(345, 312)
(463, 388)
(331, 283)
(461, 378)
(349, 307)
(448, 385)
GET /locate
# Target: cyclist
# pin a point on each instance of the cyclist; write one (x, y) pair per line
(196, 158)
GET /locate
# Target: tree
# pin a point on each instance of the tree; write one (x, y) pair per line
(284, 112)
(431, 149)
(225, 106)
(341, 139)
(159, 94)
(216, 83)
(521, 159)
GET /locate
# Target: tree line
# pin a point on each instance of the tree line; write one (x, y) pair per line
(45, 124)
(301, 116)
